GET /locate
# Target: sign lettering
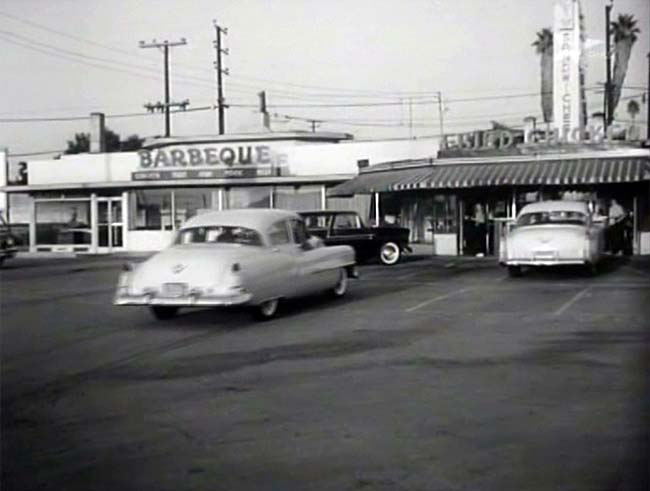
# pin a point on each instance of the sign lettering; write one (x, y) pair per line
(228, 156)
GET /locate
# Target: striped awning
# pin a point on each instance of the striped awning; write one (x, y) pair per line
(460, 175)
(379, 182)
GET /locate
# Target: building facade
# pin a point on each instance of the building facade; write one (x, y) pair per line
(459, 203)
(135, 201)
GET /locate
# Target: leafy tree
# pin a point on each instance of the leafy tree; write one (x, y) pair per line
(625, 33)
(544, 47)
(81, 142)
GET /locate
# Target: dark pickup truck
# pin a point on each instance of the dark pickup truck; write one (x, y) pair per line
(346, 228)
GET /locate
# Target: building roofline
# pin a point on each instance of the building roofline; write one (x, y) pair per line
(319, 136)
(256, 181)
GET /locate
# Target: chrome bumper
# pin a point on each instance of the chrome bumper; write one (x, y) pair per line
(544, 262)
(184, 301)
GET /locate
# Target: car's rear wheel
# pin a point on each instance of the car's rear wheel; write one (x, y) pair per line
(266, 310)
(162, 312)
(514, 271)
(341, 286)
(389, 253)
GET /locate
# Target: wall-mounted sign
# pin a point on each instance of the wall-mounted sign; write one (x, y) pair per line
(568, 76)
(511, 142)
(221, 156)
(228, 173)
(210, 162)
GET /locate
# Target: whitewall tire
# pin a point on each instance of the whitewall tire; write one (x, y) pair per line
(389, 253)
(341, 286)
(266, 310)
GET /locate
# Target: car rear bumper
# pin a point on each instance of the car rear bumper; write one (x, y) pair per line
(184, 301)
(544, 262)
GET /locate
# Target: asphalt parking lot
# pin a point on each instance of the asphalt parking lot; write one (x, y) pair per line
(435, 374)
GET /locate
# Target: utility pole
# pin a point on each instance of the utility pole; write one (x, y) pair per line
(266, 120)
(647, 103)
(609, 110)
(165, 45)
(221, 106)
(440, 114)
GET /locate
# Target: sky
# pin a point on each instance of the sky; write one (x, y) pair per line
(372, 68)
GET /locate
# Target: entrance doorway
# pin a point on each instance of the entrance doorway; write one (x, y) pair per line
(482, 221)
(109, 224)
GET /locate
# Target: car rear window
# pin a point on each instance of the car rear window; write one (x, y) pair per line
(219, 235)
(316, 221)
(552, 217)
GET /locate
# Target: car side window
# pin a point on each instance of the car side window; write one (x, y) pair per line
(345, 221)
(299, 231)
(278, 234)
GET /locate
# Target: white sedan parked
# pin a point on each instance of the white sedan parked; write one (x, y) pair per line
(551, 233)
(247, 257)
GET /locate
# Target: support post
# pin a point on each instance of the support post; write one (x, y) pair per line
(376, 209)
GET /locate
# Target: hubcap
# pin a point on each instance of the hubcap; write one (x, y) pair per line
(389, 254)
(268, 308)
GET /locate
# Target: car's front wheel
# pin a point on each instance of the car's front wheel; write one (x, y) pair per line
(514, 271)
(341, 286)
(389, 253)
(266, 310)
(162, 312)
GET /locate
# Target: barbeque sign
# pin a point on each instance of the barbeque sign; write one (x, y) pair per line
(209, 162)
(229, 156)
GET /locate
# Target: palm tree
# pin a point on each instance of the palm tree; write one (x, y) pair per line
(544, 47)
(625, 35)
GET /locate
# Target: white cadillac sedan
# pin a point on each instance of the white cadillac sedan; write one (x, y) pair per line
(551, 233)
(249, 257)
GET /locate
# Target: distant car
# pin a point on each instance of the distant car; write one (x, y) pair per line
(387, 244)
(8, 247)
(551, 233)
(246, 257)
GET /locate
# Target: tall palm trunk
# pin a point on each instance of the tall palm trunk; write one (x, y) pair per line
(623, 52)
(625, 33)
(544, 47)
(546, 65)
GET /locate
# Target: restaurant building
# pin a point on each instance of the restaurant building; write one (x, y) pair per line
(101, 202)
(460, 201)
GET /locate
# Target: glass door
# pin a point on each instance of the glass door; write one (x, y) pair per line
(109, 224)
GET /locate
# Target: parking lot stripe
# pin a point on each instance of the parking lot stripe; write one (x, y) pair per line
(571, 301)
(435, 299)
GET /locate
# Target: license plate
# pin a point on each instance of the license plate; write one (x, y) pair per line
(545, 255)
(174, 289)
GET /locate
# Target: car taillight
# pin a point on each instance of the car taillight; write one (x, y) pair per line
(236, 268)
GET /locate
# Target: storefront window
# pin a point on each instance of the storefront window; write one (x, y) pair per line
(444, 214)
(249, 197)
(299, 198)
(63, 222)
(151, 209)
(188, 202)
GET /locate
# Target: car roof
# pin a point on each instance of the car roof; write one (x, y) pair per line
(325, 212)
(558, 205)
(253, 218)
